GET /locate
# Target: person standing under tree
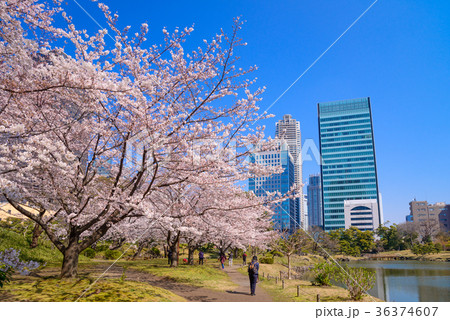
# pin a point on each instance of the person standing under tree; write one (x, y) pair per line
(230, 259)
(222, 259)
(253, 270)
(200, 257)
(244, 259)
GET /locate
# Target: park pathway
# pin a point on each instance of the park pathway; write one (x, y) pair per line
(242, 293)
(191, 293)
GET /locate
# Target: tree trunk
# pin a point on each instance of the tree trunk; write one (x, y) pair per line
(70, 262)
(289, 267)
(174, 260)
(139, 250)
(37, 231)
(191, 251)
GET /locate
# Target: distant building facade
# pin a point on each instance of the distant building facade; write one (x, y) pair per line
(444, 218)
(284, 213)
(362, 214)
(288, 129)
(422, 211)
(314, 191)
(348, 169)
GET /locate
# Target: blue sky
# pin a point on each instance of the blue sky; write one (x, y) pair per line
(398, 54)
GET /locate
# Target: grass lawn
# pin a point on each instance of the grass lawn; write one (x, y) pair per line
(54, 290)
(207, 276)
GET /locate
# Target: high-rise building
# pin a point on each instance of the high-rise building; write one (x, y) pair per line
(284, 213)
(289, 130)
(315, 201)
(348, 168)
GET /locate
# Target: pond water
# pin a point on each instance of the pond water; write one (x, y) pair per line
(409, 281)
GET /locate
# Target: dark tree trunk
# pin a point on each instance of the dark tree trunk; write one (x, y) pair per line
(37, 231)
(191, 251)
(235, 253)
(139, 250)
(174, 260)
(70, 262)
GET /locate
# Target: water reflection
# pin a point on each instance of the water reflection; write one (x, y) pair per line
(409, 281)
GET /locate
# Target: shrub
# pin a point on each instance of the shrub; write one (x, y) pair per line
(276, 253)
(323, 273)
(427, 248)
(10, 262)
(357, 281)
(89, 252)
(155, 252)
(266, 260)
(112, 254)
(101, 247)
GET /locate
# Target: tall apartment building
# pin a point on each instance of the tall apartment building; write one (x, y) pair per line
(314, 190)
(284, 213)
(289, 130)
(348, 169)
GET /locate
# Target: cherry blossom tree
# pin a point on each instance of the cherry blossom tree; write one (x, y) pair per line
(71, 108)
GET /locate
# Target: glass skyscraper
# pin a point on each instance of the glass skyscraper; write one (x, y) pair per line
(348, 168)
(315, 217)
(284, 213)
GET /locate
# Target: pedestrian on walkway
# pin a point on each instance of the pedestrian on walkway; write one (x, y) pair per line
(230, 259)
(200, 257)
(244, 259)
(169, 256)
(222, 259)
(253, 270)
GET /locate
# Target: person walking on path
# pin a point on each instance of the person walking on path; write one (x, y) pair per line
(230, 259)
(200, 257)
(222, 259)
(253, 270)
(244, 259)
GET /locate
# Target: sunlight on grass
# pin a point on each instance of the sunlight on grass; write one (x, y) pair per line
(208, 276)
(50, 290)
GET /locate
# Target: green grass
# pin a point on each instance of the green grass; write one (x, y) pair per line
(208, 276)
(54, 290)
(45, 252)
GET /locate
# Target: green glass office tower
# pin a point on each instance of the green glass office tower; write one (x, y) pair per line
(348, 168)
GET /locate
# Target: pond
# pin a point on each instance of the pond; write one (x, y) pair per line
(409, 281)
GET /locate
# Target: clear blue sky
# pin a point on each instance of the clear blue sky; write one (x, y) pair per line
(398, 54)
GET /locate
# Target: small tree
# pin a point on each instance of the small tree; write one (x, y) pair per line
(357, 280)
(291, 244)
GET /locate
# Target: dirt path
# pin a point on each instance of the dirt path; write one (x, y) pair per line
(242, 293)
(190, 293)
